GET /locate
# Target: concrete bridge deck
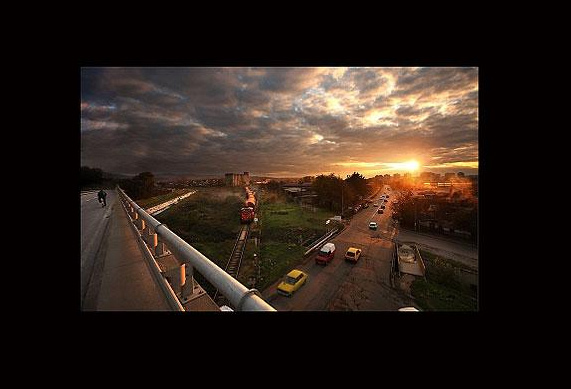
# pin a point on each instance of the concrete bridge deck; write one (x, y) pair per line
(115, 275)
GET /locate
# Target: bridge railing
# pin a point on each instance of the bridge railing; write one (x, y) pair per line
(162, 239)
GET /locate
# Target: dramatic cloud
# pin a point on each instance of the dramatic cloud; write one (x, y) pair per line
(279, 121)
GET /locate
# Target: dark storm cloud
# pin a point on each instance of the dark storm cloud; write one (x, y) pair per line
(290, 79)
(270, 120)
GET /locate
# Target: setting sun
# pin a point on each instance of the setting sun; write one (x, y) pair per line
(410, 165)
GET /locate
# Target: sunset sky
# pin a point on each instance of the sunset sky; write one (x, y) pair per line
(279, 122)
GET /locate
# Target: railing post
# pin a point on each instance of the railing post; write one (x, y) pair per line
(150, 237)
(187, 281)
(140, 223)
(161, 248)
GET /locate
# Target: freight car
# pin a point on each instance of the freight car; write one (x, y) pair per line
(247, 212)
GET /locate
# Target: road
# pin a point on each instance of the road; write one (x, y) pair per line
(341, 285)
(94, 220)
(459, 251)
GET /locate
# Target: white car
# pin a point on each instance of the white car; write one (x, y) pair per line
(373, 225)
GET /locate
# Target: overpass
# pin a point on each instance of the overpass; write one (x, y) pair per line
(131, 261)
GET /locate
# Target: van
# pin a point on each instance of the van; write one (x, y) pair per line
(325, 254)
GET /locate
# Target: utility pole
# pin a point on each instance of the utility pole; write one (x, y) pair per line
(341, 199)
(415, 224)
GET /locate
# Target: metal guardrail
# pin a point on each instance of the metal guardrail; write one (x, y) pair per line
(321, 241)
(242, 298)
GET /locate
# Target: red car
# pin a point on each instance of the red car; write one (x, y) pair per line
(326, 254)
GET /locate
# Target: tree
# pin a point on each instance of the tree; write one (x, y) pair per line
(90, 177)
(328, 190)
(145, 182)
(357, 187)
(139, 187)
(274, 186)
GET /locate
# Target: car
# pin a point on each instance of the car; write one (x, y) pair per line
(353, 254)
(294, 280)
(375, 205)
(373, 225)
(380, 211)
(383, 206)
(325, 254)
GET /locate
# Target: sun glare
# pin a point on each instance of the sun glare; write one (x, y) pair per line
(410, 165)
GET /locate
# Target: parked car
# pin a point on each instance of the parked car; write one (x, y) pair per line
(375, 205)
(293, 281)
(383, 206)
(373, 225)
(380, 211)
(325, 254)
(353, 254)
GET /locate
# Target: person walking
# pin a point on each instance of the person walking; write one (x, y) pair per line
(102, 197)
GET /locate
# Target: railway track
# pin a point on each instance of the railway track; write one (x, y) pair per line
(233, 265)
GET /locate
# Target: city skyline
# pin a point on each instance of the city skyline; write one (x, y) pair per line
(280, 122)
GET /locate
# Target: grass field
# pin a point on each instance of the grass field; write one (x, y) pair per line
(286, 222)
(441, 291)
(285, 225)
(209, 221)
(277, 260)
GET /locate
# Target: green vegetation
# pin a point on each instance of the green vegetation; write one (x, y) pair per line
(203, 219)
(209, 221)
(277, 259)
(152, 201)
(286, 227)
(332, 191)
(139, 187)
(90, 177)
(441, 291)
(286, 222)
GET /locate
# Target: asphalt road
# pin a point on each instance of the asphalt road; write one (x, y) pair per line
(459, 251)
(94, 220)
(341, 285)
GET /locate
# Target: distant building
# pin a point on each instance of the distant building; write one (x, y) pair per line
(448, 176)
(426, 176)
(233, 179)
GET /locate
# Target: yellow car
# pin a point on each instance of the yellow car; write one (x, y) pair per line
(353, 254)
(293, 281)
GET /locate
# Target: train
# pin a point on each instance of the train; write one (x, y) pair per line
(247, 212)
